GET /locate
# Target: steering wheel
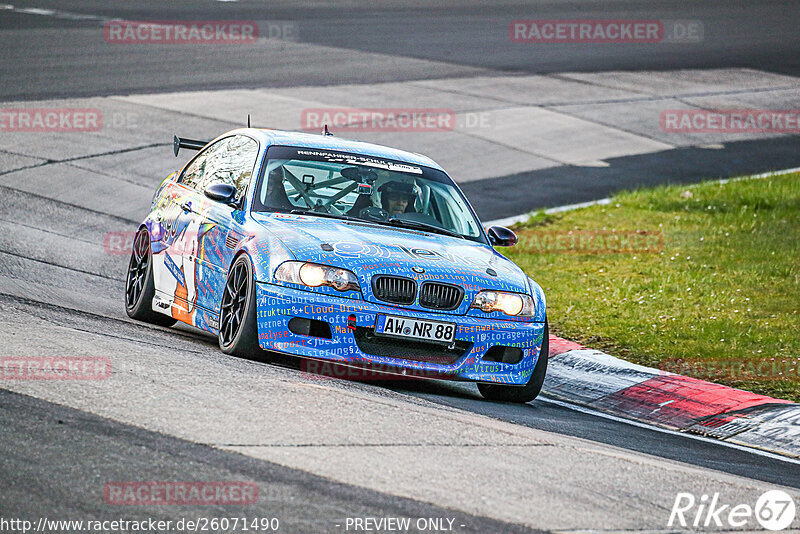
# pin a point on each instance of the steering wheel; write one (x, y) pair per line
(373, 213)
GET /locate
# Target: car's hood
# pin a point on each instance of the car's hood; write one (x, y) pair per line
(369, 249)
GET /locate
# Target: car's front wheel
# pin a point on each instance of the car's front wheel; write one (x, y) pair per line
(139, 286)
(529, 391)
(238, 328)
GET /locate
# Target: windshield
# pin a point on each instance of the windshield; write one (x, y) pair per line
(364, 187)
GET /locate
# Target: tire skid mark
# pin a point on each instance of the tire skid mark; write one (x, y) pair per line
(53, 264)
(33, 303)
(69, 204)
(87, 156)
(48, 231)
(148, 186)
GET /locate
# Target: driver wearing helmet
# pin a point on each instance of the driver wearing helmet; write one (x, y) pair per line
(397, 197)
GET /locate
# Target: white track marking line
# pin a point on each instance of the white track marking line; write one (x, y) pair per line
(35, 11)
(632, 422)
(508, 221)
(52, 13)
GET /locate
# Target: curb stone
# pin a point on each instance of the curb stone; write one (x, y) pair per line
(607, 384)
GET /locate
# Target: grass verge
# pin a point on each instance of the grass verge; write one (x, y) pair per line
(702, 280)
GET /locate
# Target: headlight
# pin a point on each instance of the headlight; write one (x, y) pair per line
(315, 275)
(508, 303)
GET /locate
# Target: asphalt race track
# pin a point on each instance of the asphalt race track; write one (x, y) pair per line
(323, 450)
(445, 38)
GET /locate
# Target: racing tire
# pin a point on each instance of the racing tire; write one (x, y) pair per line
(238, 327)
(139, 286)
(529, 391)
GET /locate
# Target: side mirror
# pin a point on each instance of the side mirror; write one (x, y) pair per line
(500, 236)
(224, 193)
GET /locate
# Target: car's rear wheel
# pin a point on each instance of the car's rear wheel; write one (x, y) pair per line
(529, 391)
(238, 328)
(139, 286)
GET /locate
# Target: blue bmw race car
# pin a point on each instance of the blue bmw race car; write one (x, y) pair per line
(342, 251)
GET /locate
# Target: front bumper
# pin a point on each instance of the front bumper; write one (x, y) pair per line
(468, 360)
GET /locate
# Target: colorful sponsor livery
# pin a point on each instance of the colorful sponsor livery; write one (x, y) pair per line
(337, 250)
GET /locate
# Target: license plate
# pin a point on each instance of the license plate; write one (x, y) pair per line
(406, 327)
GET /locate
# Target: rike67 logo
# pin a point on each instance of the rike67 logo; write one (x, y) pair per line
(774, 510)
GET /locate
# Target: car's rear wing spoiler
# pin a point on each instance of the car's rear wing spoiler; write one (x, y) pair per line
(192, 144)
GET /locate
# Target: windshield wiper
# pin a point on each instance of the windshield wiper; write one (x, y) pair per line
(323, 214)
(416, 225)
(394, 221)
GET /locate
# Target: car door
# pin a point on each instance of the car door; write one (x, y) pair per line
(220, 226)
(174, 263)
